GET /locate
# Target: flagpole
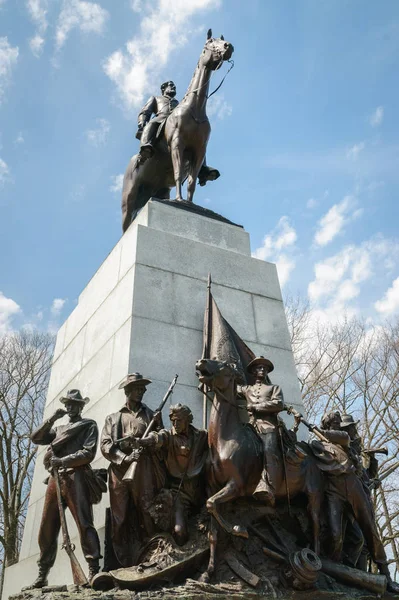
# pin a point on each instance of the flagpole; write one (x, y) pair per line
(206, 349)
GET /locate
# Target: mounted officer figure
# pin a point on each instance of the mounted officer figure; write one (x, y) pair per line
(150, 129)
(264, 402)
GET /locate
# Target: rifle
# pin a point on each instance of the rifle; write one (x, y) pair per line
(312, 428)
(79, 578)
(372, 451)
(131, 470)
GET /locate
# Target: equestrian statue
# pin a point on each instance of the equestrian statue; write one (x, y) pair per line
(173, 143)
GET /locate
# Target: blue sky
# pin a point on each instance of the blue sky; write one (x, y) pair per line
(304, 131)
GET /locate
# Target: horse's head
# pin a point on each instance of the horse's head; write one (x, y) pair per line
(216, 50)
(216, 374)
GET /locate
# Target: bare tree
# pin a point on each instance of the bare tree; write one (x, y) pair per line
(25, 360)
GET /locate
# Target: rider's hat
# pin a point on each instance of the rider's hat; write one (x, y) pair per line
(347, 421)
(75, 396)
(134, 379)
(260, 360)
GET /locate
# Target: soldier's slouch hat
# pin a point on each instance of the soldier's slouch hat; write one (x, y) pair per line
(348, 420)
(134, 379)
(75, 396)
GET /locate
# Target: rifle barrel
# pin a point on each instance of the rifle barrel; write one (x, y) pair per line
(131, 470)
(79, 578)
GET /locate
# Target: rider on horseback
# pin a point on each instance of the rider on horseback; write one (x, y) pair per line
(149, 130)
(264, 402)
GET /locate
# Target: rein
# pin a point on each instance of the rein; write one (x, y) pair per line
(221, 61)
(202, 389)
(231, 61)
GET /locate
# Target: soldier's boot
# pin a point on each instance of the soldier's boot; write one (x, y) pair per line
(94, 568)
(264, 493)
(392, 586)
(207, 174)
(40, 581)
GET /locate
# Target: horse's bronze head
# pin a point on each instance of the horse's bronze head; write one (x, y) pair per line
(216, 50)
(216, 374)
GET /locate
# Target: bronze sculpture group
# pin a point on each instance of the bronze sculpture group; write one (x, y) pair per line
(210, 469)
(160, 478)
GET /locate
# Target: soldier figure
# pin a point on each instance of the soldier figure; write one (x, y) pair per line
(148, 130)
(130, 521)
(161, 107)
(184, 450)
(264, 402)
(72, 449)
(346, 497)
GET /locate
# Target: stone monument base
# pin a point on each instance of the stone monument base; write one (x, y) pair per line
(193, 590)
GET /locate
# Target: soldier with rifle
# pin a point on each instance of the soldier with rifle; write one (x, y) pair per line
(72, 449)
(134, 477)
(367, 470)
(346, 497)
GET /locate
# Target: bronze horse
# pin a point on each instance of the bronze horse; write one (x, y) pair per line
(236, 458)
(180, 151)
(235, 449)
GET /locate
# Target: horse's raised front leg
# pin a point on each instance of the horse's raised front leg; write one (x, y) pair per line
(229, 492)
(195, 167)
(176, 151)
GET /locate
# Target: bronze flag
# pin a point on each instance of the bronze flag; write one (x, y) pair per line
(222, 342)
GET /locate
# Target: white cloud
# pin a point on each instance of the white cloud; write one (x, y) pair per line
(332, 223)
(19, 139)
(38, 12)
(86, 16)
(339, 278)
(285, 265)
(389, 303)
(164, 28)
(353, 152)
(377, 116)
(4, 172)
(98, 137)
(57, 306)
(282, 237)
(8, 308)
(37, 45)
(8, 60)
(117, 183)
(218, 107)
